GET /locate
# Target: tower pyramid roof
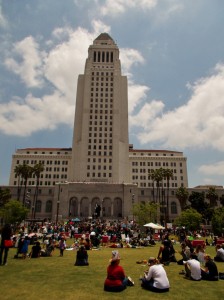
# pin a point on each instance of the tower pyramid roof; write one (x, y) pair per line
(104, 36)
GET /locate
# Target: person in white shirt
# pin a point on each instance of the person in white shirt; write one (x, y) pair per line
(193, 269)
(155, 279)
(219, 253)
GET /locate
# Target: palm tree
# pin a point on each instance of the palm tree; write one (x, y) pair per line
(37, 170)
(168, 174)
(182, 195)
(26, 173)
(212, 196)
(157, 176)
(18, 173)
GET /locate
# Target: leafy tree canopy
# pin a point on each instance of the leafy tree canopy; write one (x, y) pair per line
(13, 211)
(145, 213)
(189, 218)
(5, 196)
(218, 221)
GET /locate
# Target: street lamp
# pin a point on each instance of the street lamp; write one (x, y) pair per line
(58, 201)
(133, 201)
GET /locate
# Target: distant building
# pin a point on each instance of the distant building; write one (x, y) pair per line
(101, 168)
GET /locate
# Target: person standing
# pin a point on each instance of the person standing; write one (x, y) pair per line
(62, 246)
(155, 279)
(6, 235)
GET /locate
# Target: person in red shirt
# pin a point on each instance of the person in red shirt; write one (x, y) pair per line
(116, 280)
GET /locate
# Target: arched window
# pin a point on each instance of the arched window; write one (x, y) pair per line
(38, 206)
(173, 208)
(48, 208)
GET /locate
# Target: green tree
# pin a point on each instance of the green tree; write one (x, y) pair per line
(13, 211)
(212, 196)
(182, 195)
(218, 221)
(37, 170)
(189, 218)
(222, 200)
(5, 196)
(145, 213)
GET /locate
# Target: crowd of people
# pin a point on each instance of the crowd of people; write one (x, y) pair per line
(43, 240)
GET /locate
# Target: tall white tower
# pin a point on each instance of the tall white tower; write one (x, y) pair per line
(100, 151)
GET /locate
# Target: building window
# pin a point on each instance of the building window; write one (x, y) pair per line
(173, 208)
(48, 206)
(38, 206)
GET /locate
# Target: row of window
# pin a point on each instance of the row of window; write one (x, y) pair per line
(144, 184)
(38, 208)
(99, 167)
(148, 153)
(100, 160)
(150, 170)
(47, 162)
(149, 178)
(106, 89)
(102, 74)
(101, 117)
(99, 175)
(103, 56)
(156, 163)
(104, 153)
(100, 134)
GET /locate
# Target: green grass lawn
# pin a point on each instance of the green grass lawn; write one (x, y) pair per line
(57, 277)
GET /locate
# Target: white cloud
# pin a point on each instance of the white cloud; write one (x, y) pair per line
(199, 123)
(3, 21)
(129, 58)
(23, 117)
(116, 7)
(28, 64)
(216, 169)
(60, 66)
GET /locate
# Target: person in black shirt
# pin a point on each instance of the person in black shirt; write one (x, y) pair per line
(5, 235)
(210, 272)
(82, 257)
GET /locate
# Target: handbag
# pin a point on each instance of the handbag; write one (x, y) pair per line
(8, 243)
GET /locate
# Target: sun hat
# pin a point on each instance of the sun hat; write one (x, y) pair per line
(115, 256)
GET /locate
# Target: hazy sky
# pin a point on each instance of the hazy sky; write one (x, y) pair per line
(171, 50)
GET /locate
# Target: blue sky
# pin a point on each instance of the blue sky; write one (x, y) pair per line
(171, 50)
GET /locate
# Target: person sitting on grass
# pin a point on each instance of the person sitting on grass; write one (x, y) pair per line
(155, 279)
(219, 253)
(82, 257)
(116, 280)
(185, 252)
(166, 253)
(210, 272)
(35, 251)
(192, 269)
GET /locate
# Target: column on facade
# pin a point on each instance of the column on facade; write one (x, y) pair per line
(112, 208)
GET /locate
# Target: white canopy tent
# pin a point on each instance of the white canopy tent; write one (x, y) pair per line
(154, 226)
